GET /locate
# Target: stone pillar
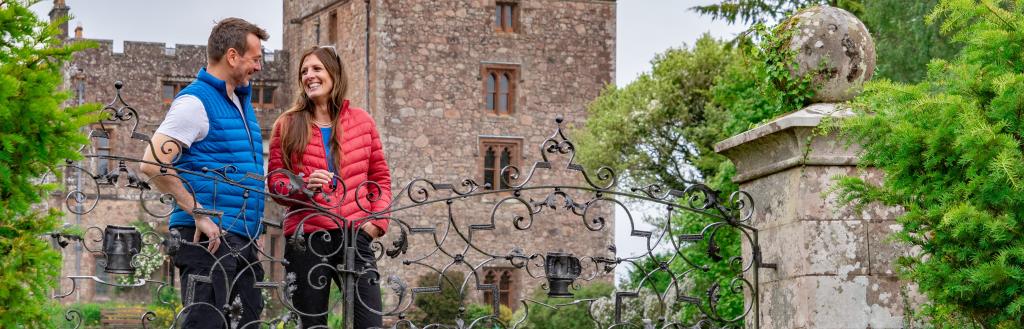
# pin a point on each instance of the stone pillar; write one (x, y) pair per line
(835, 264)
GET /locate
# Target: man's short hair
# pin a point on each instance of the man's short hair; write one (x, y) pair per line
(231, 33)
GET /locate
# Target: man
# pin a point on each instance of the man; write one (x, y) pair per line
(211, 136)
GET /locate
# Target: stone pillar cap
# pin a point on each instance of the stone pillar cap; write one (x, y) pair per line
(809, 116)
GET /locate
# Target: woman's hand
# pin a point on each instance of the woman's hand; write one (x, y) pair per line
(318, 179)
(372, 230)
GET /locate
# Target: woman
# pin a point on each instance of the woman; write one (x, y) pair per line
(335, 148)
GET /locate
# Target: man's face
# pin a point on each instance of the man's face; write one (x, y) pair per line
(246, 64)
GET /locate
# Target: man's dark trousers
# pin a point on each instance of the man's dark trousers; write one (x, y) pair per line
(234, 275)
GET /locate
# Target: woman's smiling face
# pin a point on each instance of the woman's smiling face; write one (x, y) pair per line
(316, 82)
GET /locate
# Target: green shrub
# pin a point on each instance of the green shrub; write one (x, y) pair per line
(951, 149)
(165, 305)
(37, 136)
(481, 311)
(89, 313)
(476, 311)
(440, 307)
(576, 316)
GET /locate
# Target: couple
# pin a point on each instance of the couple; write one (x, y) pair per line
(212, 130)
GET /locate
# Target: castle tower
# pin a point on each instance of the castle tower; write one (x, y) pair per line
(60, 13)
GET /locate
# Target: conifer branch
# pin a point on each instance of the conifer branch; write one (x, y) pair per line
(988, 6)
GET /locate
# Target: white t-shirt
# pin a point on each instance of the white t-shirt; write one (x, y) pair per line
(186, 120)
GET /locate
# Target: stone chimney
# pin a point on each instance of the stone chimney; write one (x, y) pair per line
(60, 12)
(78, 31)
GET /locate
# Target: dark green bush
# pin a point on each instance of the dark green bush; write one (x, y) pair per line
(36, 136)
(440, 307)
(951, 149)
(576, 316)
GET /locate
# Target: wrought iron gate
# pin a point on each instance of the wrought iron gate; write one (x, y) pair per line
(451, 243)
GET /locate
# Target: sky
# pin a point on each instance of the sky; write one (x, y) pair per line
(644, 29)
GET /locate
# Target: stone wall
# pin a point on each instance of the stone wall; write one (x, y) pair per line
(144, 66)
(432, 104)
(306, 25)
(835, 263)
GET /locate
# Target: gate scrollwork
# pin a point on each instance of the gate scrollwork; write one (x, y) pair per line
(450, 243)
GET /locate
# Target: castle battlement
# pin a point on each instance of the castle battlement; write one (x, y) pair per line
(148, 48)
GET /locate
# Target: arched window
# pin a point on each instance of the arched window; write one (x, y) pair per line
(499, 87)
(506, 17)
(506, 160)
(488, 294)
(499, 153)
(489, 170)
(506, 280)
(503, 89)
(505, 288)
(491, 91)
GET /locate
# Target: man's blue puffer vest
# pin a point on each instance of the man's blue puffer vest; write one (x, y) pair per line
(228, 150)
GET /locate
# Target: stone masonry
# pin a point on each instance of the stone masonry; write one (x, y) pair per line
(835, 264)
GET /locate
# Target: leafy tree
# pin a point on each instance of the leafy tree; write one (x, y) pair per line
(951, 149)
(697, 96)
(657, 281)
(440, 307)
(36, 136)
(904, 41)
(577, 316)
(662, 127)
(664, 139)
(768, 11)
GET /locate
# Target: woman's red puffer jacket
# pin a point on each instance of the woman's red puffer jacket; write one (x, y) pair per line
(362, 160)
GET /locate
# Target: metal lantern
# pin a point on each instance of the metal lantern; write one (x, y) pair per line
(561, 270)
(121, 244)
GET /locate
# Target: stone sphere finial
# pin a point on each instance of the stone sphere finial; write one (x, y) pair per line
(837, 46)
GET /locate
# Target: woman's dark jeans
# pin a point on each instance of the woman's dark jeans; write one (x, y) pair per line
(313, 277)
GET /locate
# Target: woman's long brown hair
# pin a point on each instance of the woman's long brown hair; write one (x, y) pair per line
(295, 121)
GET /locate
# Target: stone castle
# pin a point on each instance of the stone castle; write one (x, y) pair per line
(458, 89)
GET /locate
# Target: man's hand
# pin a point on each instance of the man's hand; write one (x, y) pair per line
(372, 230)
(206, 226)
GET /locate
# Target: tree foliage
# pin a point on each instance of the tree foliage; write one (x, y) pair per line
(36, 135)
(662, 127)
(651, 129)
(767, 11)
(441, 307)
(575, 316)
(905, 42)
(951, 149)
